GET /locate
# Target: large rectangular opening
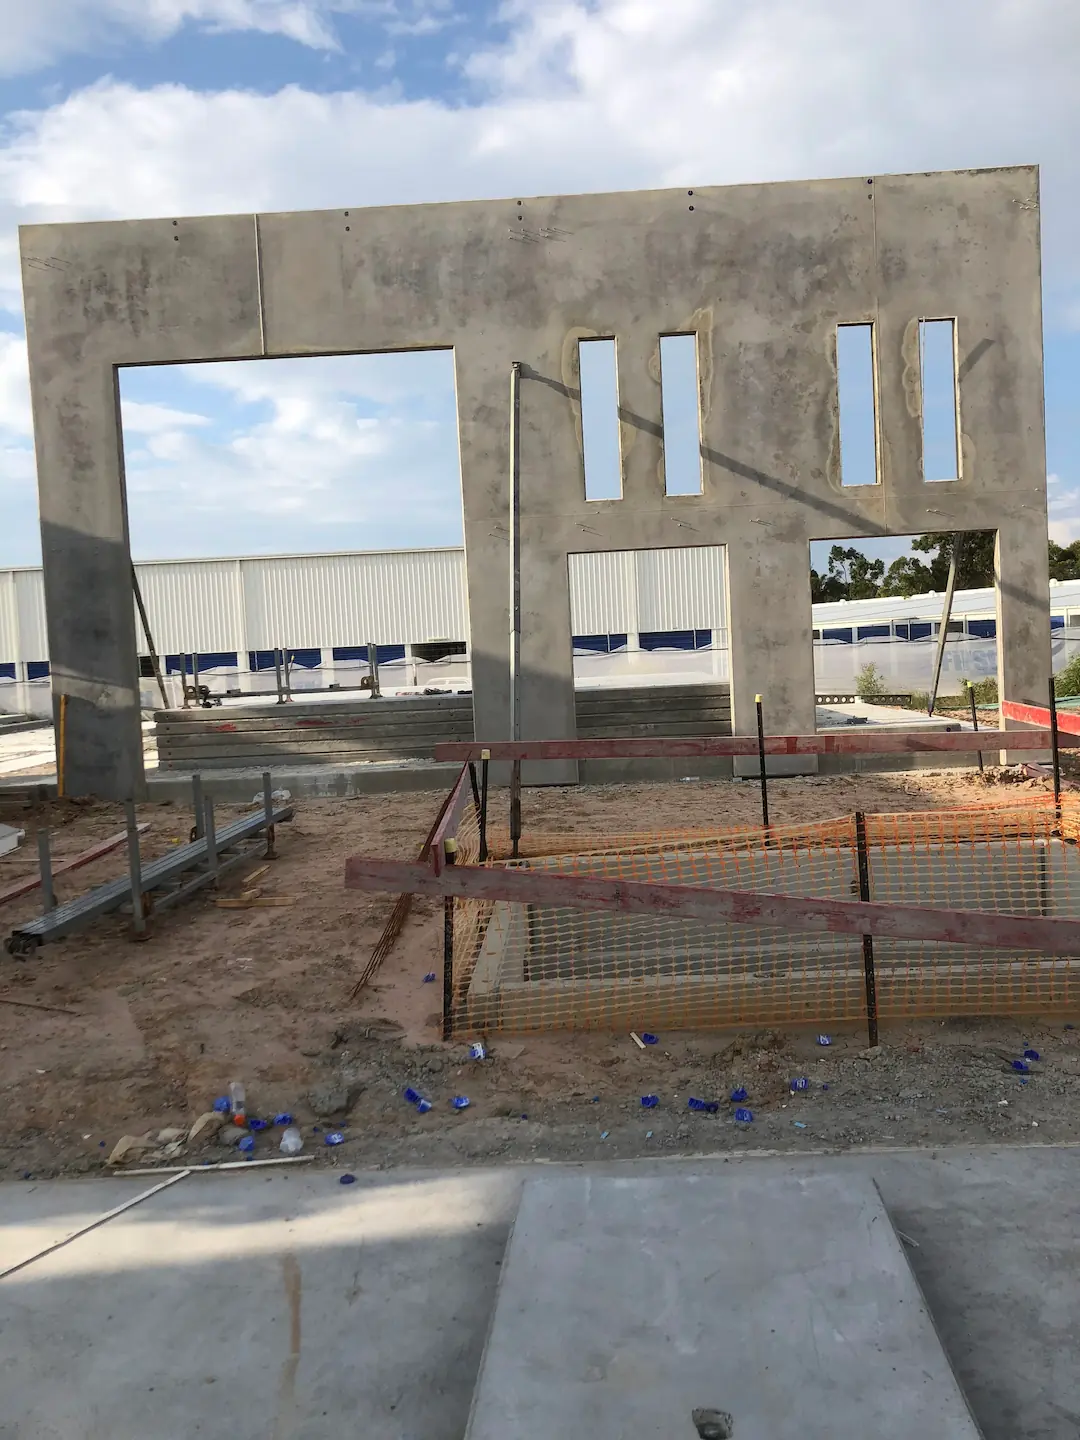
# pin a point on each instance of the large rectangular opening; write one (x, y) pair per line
(288, 513)
(649, 617)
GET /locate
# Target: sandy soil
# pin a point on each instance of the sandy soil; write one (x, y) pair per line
(263, 995)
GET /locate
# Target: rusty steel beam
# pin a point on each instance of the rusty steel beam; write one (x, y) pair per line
(854, 742)
(688, 902)
(1068, 722)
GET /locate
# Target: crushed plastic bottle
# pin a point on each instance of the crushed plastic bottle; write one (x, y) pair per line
(709, 1107)
(411, 1095)
(650, 1102)
(824, 1039)
(460, 1102)
(650, 1039)
(257, 1125)
(739, 1094)
(247, 1145)
(347, 1180)
(477, 1050)
(744, 1117)
(335, 1137)
(800, 1083)
(429, 978)
(1020, 1065)
(292, 1142)
(422, 1107)
(1032, 1055)
(221, 1105)
(284, 1118)
(237, 1103)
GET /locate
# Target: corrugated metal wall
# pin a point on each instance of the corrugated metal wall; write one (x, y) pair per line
(402, 597)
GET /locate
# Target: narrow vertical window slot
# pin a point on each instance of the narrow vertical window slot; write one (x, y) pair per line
(857, 404)
(937, 365)
(682, 414)
(600, 419)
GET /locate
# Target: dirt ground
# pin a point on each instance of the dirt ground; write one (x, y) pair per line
(263, 995)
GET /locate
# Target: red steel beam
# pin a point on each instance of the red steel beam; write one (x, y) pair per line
(853, 742)
(1068, 720)
(448, 825)
(688, 902)
(104, 847)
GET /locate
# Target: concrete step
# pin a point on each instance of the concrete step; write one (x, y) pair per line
(785, 1302)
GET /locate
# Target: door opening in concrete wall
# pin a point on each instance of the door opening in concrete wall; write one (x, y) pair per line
(940, 400)
(649, 617)
(874, 641)
(598, 369)
(857, 394)
(305, 473)
(682, 414)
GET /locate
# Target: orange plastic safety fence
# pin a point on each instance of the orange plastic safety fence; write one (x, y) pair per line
(538, 967)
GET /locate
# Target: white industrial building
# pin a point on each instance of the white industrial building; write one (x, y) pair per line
(636, 617)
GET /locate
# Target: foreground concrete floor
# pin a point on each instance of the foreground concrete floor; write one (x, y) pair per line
(282, 1304)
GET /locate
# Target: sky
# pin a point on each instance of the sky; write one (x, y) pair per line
(140, 108)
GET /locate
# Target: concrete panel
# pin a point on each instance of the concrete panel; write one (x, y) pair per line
(625, 1305)
(761, 274)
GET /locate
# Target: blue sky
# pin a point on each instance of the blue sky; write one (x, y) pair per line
(124, 108)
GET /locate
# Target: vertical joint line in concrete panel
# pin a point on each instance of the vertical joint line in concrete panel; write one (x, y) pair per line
(939, 399)
(259, 285)
(857, 403)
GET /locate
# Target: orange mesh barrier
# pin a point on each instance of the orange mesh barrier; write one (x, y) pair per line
(532, 967)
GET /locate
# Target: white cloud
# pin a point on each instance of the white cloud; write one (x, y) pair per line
(585, 95)
(141, 418)
(14, 387)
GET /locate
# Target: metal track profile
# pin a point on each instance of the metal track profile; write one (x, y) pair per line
(160, 878)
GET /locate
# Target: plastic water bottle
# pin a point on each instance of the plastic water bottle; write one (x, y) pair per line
(292, 1142)
(237, 1103)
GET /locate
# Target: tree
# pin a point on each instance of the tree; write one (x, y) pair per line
(910, 576)
(1065, 561)
(851, 576)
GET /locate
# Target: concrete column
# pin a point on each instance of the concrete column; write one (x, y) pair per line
(1022, 595)
(769, 620)
(93, 650)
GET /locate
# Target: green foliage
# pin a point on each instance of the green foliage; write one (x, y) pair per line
(1065, 561)
(869, 683)
(851, 575)
(1067, 681)
(985, 691)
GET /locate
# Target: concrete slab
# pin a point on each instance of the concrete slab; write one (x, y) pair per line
(627, 1304)
(283, 1304)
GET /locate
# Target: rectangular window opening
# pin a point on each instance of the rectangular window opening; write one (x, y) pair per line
(857, 404)
(600, 419)
(681, 414)
(937, 365)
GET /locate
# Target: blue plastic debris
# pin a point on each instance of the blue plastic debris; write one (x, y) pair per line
(247, 1144)
(744, 1117)
(739, 1094)
(648, 1134)
(335, 1137)
(429, 978)
(1032, 1055)
(650, 1102)
(824, 1039)
(411, 1095)
(460, 1102)
(347, 1180)
(799, 1124)
(710, 1107)
(101, 1144)
(650, 1039)
(800, 1083)
(1021, 1065)
(258, 1125)
(824, 1087)
(423, 1106)
(222, 1105)
(317, 1129)
(477, 1050)
(283, 1119)
(604, 1134)
(595, 1100)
